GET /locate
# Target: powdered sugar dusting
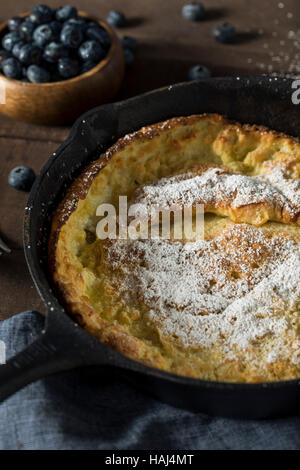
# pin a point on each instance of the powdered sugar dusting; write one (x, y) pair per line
(289, 188)
(230, 291)
(218, 188)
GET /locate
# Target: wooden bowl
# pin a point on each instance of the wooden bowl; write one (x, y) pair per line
(62, 102)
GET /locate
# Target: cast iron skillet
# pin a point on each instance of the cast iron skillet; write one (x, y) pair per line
(64, 345)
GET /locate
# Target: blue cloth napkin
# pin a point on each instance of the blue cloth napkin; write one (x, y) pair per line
(68, 411)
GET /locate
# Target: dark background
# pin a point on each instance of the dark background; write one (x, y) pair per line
(268, 43)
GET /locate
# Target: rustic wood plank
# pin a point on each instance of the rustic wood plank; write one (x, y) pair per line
(16, 287)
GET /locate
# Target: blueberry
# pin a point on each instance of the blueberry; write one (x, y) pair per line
(12, 68)
(199, 71)
(68, 68)
(94, 24)
(41, 14)
(56, 28)
(65, 13)
(17, 48)
(77, 21)
(116, 19)
(26, 30)
(129, 43)
(71, 35)
(55, 51)
(30, 54)
(21, 178)
(4, 55)
(25, 80)
(9, 40)
(14, 23)
(92, 51)
(94, 31)
(36, 74)
(224, 33)
(86, 66)
(129, 57)
(43, 34)
(193, 11)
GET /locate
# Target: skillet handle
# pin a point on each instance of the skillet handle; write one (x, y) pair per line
(57, 349)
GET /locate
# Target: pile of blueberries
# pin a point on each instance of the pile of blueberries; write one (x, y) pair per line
(52, 45)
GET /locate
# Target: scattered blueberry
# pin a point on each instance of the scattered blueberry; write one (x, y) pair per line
(4, 55)
(41, 14)
(129, 57)
(43, 34)
(9, 40)
(86, 66)
(116, 19)
(11, 68)
(99, 34)
(22, 178)
(30, 54)
(36, 74)
(65, 13)
(193, 11)
(91, 51)
(71, 35)
(55, 51)
(26, 30)
(129, 43)
(14, 23)
(199, 71)
(68, 68)
(224, 33)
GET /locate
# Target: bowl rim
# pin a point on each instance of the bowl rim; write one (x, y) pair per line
(99, 67)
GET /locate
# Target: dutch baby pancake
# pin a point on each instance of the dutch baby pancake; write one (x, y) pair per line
(222, 306)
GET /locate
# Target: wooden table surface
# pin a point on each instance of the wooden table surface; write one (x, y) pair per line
(268, 42)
